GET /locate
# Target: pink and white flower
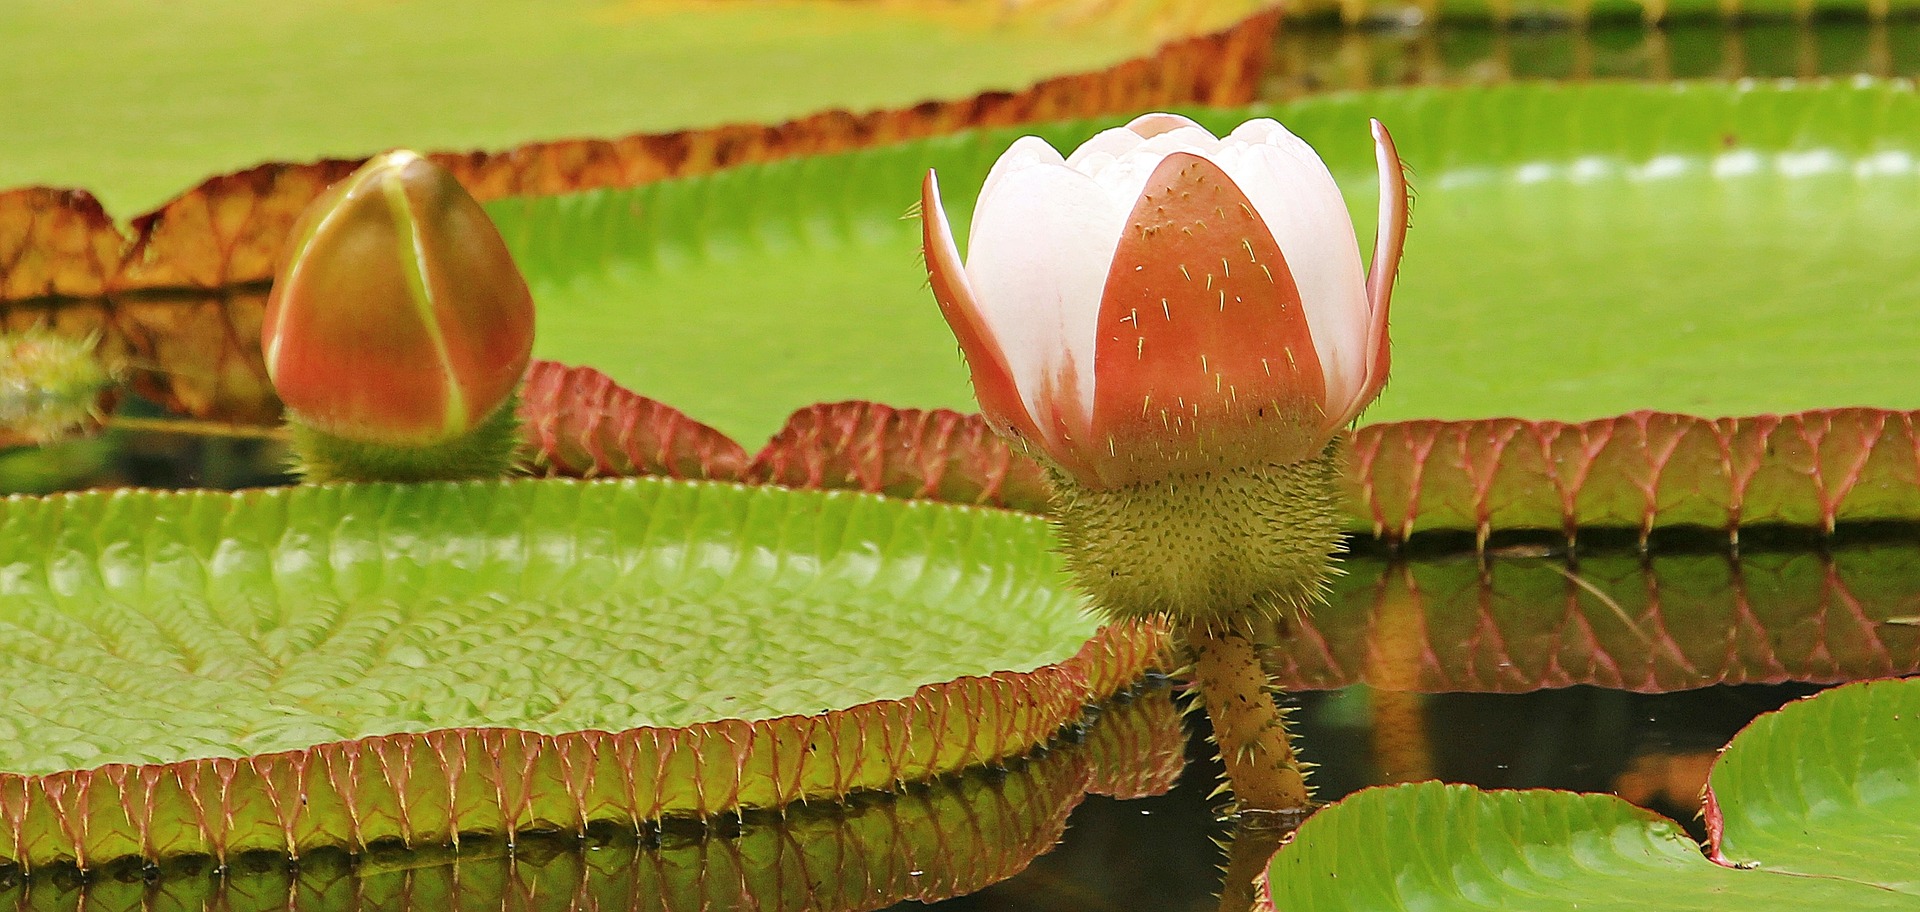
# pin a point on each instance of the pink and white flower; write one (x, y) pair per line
(1165, 301)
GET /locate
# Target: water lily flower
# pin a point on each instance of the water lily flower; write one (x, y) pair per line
(399, 320)
(1164, 301)
(1179, 324)
(399, 316)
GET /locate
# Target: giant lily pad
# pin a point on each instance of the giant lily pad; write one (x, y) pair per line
(138, 101)
(228, 228)
(956, 835)
(1816, 806)
(1578, 253)
(283, 669)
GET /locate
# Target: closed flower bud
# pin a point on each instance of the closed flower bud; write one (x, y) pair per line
(398, 319)
(1163, 301)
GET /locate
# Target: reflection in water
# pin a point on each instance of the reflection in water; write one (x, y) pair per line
(1808, 609)
(1160, 853)
(197, 355)
(1319, 56)
(948, 837)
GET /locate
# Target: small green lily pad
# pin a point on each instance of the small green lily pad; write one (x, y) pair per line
(1816, 806)
(1829, 787)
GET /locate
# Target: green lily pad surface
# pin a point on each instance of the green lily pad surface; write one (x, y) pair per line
(137, 100)
(507, 654)
(1814, 807)
(1576, 252)
(1826, 788)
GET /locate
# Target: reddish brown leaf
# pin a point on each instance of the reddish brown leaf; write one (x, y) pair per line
(55, 243)
(228, 230)
(580, 424)
(224, 232)
(1640, 471)
(911, 453)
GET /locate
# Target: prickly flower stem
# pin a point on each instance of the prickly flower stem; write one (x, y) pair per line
(1218, 552)
(1248, 726)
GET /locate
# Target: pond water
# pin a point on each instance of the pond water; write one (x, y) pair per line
(966, 834)
(1323, 57)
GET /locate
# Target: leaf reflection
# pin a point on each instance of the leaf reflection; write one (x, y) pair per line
(1526, 619)
(953, 836)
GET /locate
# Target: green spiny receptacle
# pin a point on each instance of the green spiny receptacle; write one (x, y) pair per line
(484, 452)
(1257, 538)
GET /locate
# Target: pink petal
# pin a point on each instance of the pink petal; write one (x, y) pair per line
(1293, 191)
(1387, 245)
(1204, 354)
(992, 379)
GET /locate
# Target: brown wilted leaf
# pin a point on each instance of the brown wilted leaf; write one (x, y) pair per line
(55, 243)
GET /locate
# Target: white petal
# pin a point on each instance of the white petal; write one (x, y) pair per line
(1151, 125)
(1124, 176)
(1104, 148)
(1026, 152)
(1186, 139)
(1042, 242)
(1124, 179)
(1261, 130)
(1297, 197)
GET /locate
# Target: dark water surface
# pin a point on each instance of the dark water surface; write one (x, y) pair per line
(1321, 56)
(1159, 853)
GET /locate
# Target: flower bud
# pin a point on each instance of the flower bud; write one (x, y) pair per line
(1179, 326)
(398, 319)
(1164, 301)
